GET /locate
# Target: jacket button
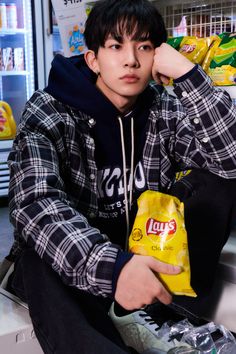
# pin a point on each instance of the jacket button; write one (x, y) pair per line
(184, 94)
(92, 176)
(205, 140)
(196, 120)
(91, 121)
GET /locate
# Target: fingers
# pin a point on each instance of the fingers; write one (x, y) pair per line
(156, 77)
(138, 284)
(160, 79)
(165, 80)
(168, 62)
(165, 268)
(163, 295)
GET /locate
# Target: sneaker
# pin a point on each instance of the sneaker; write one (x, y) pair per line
(140, 332)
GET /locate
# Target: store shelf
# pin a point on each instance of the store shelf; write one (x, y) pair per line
(14, 73)
(5, 147)
(204, 18)
(12, 31)
(5, 144)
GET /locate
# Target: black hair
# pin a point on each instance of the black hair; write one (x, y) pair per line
(136, 18)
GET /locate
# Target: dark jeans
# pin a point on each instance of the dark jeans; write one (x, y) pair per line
(210, 212)
(68, 321)
(65, 320)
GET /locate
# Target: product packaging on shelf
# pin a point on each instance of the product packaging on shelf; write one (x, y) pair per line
(216, 54)
(8, 127)
(222, 69)
(12, 59)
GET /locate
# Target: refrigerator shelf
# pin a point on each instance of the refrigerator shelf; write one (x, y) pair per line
(14, 72)
(12, 31)
(5, 147)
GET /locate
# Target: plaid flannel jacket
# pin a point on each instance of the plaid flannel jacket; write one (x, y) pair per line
(53, 182)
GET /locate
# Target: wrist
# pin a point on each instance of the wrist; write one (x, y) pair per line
(187, 75)
(184, 69)
(121, 260)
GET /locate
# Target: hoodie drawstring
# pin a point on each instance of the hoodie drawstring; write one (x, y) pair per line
(128, 202)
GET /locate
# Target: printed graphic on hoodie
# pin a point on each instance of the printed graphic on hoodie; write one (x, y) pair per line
(111, 191)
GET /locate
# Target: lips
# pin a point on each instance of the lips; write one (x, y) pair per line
(130, 78)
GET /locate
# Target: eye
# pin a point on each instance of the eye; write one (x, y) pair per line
(146, 47)
(115, 46)
(112, 43)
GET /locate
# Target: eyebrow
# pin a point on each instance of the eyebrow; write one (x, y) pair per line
(116, 37)
(120, 38)
(143, 39)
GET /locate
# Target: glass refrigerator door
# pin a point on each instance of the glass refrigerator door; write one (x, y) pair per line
(52, 39)
(17, 62)
(57, 46)
(17, 77)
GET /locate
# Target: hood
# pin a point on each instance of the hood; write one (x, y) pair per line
(73, 83)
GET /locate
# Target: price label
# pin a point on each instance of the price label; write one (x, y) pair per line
(71, 2)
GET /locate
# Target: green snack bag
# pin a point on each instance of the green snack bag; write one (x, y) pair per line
(222, 68)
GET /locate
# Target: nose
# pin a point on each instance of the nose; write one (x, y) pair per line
(131, 58)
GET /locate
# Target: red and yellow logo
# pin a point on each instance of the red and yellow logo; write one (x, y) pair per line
(161, 228)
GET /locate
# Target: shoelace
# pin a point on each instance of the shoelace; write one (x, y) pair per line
(149, 320)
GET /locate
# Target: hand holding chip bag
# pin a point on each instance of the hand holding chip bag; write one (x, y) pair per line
(159, 231)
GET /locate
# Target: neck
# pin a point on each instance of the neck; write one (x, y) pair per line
(125, 105)
(122, 103)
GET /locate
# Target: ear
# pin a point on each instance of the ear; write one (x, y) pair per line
(91, 60)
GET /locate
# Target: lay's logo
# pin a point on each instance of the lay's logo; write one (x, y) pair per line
(160, 228)
(188, 48)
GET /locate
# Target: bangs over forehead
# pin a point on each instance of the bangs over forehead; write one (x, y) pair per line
(130, 27)
(138, 19)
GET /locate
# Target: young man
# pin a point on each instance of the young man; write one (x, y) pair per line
(87, 147)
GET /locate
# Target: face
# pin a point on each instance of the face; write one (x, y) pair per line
(125, 68)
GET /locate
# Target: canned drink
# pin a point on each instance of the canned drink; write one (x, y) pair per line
(19, 59)
(7, 59)
(11, 11)
(3, 15)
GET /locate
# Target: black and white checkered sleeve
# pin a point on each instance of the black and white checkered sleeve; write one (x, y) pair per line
(206, 135)
(42, 214)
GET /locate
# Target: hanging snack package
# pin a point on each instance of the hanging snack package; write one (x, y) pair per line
(159, 231)
(222, 68)
(215, 42)
(195, 48)
(175, 42)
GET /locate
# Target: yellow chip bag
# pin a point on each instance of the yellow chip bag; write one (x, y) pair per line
(159, 231)
(211, 52)
(194, 48)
